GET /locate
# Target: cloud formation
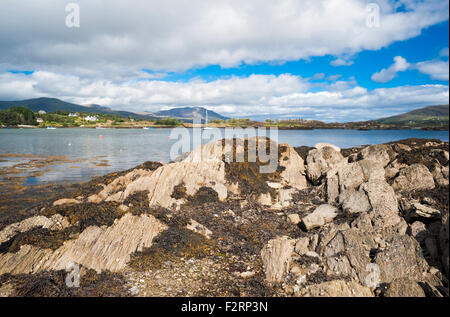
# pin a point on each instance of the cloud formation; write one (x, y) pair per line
(387, 74)
(117, 37)
(282, 95)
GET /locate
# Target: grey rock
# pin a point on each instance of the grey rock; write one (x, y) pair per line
(402, 258)
(320, 216)
(354, 201)
(320, 161)
(379, 153)
(413, 177)
(404, 287)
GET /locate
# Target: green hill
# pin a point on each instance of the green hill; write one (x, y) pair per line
(53, 105)
(431, 116)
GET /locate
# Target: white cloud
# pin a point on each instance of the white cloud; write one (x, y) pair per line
(235, 96)
(318, 76)
(117, 37)
(341, 62)
(435, 69)
(334, 77)
(387, 74)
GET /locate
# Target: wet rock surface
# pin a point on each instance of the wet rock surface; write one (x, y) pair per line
(368, 221)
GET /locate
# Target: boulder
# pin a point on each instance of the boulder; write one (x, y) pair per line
(378, 153)
(404, 287)
(336, 288)
(350, 176)
(301, 247)
(440, 175)
(354, 201)
(276, 258)
(413, 177)
(322, 145)
(320, 216)
(320, 161)
(402, 258)
(383, 201)
(294, 218)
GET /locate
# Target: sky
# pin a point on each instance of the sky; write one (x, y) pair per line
(328, 60)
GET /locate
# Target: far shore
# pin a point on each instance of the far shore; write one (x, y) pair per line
(231, 126)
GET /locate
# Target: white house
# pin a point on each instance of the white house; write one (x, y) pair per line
(91, 118)
(42, 112)
(73, 114)
(39, 120)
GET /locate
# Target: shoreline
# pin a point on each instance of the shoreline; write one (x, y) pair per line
(243, 127)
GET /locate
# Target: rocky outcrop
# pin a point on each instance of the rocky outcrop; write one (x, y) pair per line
(371, 221)
(95, 248)
(414, 177)
(276, 258)
(320, 161)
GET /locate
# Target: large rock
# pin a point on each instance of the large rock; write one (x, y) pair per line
(378, 153)
(440, 175)
(402, 258)
(320, 161)
(383, 201)
(413, 177)
(206, 167)
(404, 287)
(336, 288)
(320, 216)
(348, 253)
(96, 248)
(354, 201)
(350, 177)
(276, 258)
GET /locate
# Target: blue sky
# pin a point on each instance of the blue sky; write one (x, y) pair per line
(426, 46)
(273, 59)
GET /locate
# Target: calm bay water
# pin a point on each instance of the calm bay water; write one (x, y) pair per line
(101, 151)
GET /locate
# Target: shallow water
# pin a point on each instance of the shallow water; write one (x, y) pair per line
(91, 152)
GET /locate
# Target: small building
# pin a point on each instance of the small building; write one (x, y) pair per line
(39, 120)
(73, 114)
(91, 118)
(42, 112)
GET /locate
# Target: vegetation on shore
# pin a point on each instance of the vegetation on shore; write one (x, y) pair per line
(24, 117)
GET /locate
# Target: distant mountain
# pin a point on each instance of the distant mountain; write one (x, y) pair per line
(428, 116)
(53, 104)
(190, 113)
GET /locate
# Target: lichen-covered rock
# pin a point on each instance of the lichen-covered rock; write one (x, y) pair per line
(378, 153)
(404, 287)
(354, 201)
(383, 201)
(413, 177)
(276, 257)
(320, 161)
(402, 258)
(350, 177)
(336, 288)
(320, 216)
